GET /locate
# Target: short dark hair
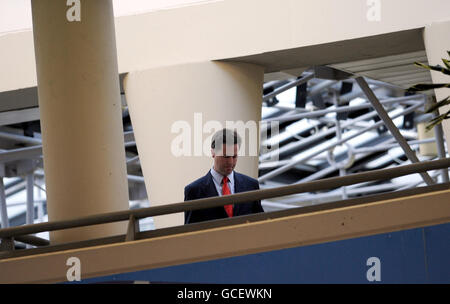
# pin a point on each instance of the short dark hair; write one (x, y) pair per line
(225, 136)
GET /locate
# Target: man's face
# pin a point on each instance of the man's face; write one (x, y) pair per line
(225, 162)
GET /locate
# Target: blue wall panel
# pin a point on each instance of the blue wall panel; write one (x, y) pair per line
(411, 256)
(437, 248)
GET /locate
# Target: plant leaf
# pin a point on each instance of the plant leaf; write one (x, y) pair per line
(434, 122)
(437, 120)
(433, 67)
(446, 62)
(427, 86)
(439, 104)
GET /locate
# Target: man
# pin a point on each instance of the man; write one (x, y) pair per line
(220, 180)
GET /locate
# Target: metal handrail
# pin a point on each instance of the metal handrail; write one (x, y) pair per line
(297, 82)
(237, 198)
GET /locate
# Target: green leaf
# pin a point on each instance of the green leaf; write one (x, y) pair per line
(437, 120)
(439, 104)
(426, 86)
(434, 68)
(446, 62)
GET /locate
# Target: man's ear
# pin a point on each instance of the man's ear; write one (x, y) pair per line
(213, 154)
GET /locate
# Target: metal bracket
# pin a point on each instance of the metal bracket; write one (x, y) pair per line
(301, 95)
(346, 88)
(132, 229)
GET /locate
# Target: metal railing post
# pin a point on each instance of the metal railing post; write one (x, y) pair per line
(30, 198)
(339, 131)
(3, 208)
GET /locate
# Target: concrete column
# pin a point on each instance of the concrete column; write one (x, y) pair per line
(437, 44)
(176, 109)
(428, 149)
(79, 100)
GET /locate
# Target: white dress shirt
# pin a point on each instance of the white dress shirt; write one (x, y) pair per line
(218, 179)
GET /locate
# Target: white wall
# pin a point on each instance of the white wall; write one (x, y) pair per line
(231, 28)
(15, 15)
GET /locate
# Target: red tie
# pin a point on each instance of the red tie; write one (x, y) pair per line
(226, 191)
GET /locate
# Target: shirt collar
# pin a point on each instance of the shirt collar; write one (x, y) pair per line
(219, 177)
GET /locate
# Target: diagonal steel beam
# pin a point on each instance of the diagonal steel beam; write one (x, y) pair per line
(391, 126)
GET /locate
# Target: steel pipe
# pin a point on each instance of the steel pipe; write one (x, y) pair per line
(309, 140)
(22, 153)
(384, 147)
(331, 145)
(328, 170)
(132, 159)
(31, 153)
(324, 197)
(21, 138)
(317, 113)
(288, 86)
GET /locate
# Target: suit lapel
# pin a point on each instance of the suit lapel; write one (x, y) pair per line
(237, 183)
(209, 185)
(237, 189)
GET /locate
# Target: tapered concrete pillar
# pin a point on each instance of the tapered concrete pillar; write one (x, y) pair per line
(79, 100)
(437, 43)
(176, 109)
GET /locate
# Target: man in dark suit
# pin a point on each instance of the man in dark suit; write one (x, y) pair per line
(220, 180)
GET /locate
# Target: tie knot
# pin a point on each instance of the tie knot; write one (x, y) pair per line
(225, 179)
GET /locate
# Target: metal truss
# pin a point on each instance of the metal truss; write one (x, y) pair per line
(333, 136)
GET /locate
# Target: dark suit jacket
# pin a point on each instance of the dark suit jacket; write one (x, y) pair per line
(204, 187)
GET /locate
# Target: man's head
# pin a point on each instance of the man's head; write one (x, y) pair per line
(224, 149)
